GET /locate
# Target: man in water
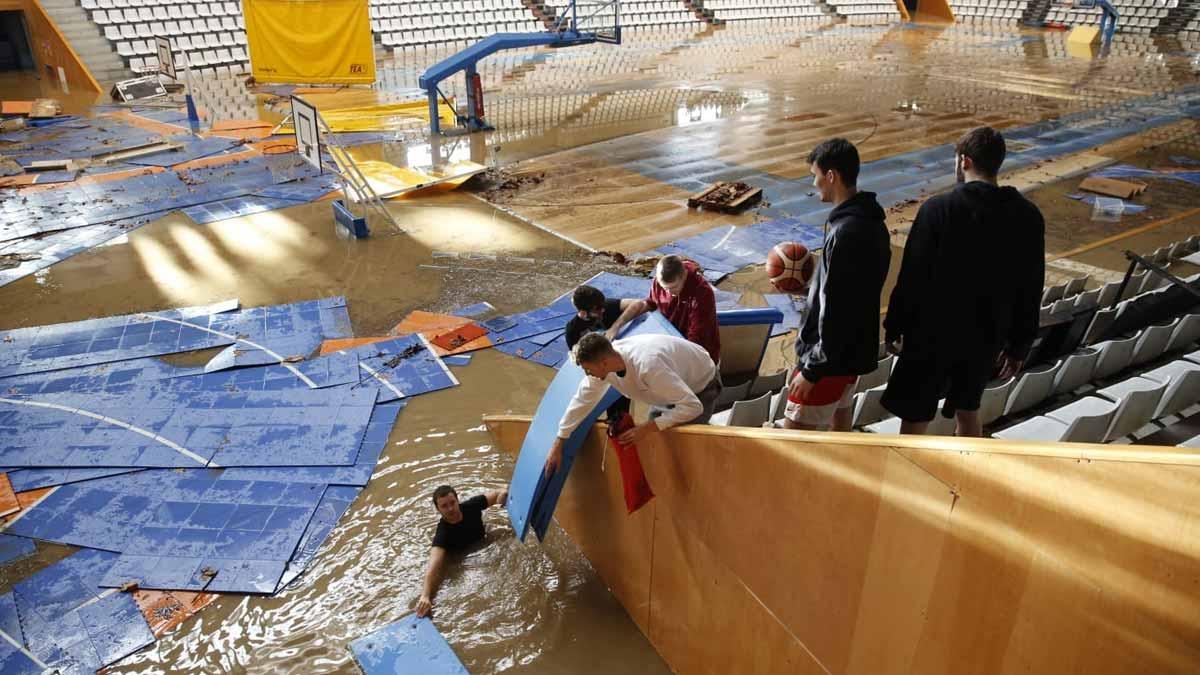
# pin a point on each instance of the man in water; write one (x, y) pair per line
(460, 527)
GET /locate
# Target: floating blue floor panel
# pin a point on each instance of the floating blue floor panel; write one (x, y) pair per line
(458, 360)
(299, 427)
(531, 496)
(14, 662)
(300, 325)
(32, 479)
(383, 418)
(10, 621)
(410, 645)
(236, 207)
(333, 506)
(193, 148)
(308, 189)
(67, 624)
(472, 311)
(12, 548)
(402, 367)
(169, 526)
(324, 371)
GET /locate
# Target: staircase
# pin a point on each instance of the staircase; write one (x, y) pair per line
(542, 12)
(1178, 17)
(89, 43)
(829, 10)
(1035, 13)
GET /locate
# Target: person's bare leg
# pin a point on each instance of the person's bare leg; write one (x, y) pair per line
(914, 428)
(968, 423)
(843, 419)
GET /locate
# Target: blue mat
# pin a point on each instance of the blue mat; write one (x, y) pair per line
(15, 662)
(12, 548)
(410, 645)
(32, 479)
(457, 360)
(531, 496)
(236, 207)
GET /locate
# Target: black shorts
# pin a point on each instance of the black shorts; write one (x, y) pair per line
(918, 382)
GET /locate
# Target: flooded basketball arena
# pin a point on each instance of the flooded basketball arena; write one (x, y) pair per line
(613, 136)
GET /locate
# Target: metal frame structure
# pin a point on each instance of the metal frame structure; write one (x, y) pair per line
(355, 185)
(570, 29)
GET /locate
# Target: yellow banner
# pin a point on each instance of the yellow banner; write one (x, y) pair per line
(310, 41)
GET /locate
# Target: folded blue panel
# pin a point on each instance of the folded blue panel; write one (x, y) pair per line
(410, 645)
(457, 360)
(531, 496)
(85, 638)
(749, 317)
(236, 207)
(12, 548)
(323, 371)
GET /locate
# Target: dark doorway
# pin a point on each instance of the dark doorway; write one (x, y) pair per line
(15, 53)
(911, 6)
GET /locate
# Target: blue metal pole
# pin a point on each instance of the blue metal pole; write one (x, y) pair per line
(435, 122)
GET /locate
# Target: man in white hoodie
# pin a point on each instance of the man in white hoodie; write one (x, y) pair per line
(676, 377)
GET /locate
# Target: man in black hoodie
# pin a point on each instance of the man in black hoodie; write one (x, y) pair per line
(839, 338)
(966, 303)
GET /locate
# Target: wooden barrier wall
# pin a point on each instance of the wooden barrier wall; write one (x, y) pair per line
(860, 554)
(51, 50)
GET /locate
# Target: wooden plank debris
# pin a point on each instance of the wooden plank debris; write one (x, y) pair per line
(726, 197)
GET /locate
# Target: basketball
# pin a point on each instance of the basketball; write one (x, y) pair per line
(790, 267)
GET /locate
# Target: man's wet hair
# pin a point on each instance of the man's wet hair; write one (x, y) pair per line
(442, 491)
(837, 154)
(591, 348)
(670, 269)
(587, 298)
(985, 146)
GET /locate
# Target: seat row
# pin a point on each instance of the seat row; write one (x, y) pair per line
(163, 13)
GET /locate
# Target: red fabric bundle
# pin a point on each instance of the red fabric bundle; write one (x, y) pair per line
(637, 490)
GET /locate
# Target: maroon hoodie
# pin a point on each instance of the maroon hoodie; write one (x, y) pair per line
(693, 312)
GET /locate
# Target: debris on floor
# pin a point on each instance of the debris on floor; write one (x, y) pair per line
(1112, 187)
(726, 197)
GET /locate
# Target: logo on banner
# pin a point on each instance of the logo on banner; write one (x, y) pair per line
(357, 69)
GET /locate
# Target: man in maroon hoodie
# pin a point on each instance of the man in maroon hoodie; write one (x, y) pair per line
(685, 298)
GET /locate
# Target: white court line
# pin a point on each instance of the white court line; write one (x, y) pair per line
(724, 239)
(17, 645)
(440, 362)
(27, 509)
(375, 374)
(282, 361)
(115, 422)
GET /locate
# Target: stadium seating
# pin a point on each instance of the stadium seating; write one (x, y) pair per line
(1136, 16)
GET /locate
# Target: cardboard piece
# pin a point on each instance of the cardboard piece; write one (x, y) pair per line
(1112, 187)
(16, 107)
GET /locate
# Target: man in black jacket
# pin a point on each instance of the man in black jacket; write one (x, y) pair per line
(966, 303)
(839, 338)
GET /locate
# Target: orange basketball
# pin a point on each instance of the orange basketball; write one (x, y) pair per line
(790, 267)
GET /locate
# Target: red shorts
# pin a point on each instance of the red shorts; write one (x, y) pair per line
(829, 395)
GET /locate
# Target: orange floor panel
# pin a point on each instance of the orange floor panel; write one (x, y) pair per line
(434, 325)
(8, 499)
(165, 610)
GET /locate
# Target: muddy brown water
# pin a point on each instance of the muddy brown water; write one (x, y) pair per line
(507, 607)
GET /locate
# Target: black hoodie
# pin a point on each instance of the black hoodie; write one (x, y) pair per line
(972, 275)
(840, 333)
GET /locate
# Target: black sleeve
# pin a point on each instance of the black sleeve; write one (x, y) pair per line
(910, 288)
(575, 329)
(1029, 284)
(612, 312)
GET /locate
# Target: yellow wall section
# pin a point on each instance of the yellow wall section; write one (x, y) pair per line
(50, 49)
(860, 554)
(938, 10)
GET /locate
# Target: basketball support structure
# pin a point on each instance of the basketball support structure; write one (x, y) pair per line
(355, 185)
(582, 22)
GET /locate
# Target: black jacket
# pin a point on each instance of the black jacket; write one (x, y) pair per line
(840, 333)
(972, 275)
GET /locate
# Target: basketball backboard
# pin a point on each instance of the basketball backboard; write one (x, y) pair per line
(166, 60)
(308, 131)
